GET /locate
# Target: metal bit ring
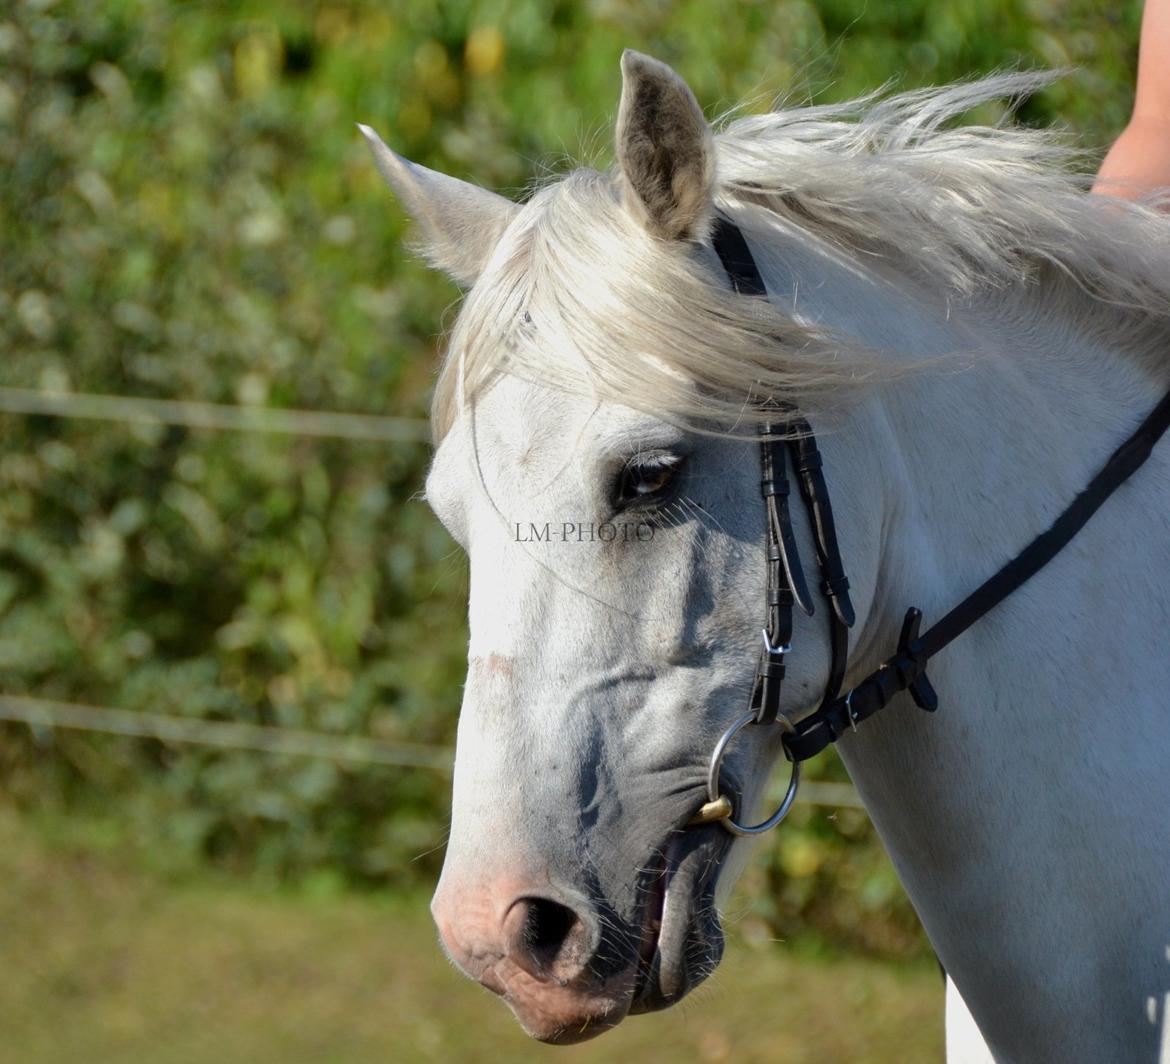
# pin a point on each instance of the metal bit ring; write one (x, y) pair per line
(720, 807)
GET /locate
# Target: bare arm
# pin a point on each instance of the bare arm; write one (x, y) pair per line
(1139, 161)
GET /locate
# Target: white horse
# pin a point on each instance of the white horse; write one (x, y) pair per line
(972, 335)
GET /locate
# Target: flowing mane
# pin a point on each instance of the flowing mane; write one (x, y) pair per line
(578, 295)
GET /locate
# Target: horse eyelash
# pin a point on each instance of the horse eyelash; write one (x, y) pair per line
(650, 461)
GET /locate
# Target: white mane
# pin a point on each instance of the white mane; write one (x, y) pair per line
(578, 295)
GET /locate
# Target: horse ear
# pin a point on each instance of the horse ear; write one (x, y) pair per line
(461, 222)
(664, 149)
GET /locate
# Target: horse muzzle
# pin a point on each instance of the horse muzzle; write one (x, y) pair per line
(548, 952)
(571, 966)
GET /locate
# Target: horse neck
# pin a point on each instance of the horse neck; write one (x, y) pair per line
(992, 446)
(1008, 411)
(980, 804)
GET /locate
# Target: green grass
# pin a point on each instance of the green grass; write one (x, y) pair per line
(105, 962)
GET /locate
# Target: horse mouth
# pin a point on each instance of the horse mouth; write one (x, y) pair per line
(682, 941)
(652, 926)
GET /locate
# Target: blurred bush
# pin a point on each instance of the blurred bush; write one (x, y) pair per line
(187, 211)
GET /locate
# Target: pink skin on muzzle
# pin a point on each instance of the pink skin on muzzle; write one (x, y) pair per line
(530, 943)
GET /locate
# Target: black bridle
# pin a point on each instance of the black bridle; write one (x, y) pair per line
(788, 436)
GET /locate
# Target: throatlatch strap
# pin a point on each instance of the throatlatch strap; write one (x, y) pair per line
(906, 670)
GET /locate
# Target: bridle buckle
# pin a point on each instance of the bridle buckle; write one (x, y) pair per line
(771, 649)
(849, 715)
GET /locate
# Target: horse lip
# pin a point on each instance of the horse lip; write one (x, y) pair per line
(659, 882)
(650, 994)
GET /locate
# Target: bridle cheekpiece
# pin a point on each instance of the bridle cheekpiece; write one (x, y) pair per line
(787, 436)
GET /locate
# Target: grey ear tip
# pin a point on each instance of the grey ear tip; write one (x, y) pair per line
(634, 62)
(387, 159)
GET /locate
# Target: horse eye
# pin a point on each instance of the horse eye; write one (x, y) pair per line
(647, 478)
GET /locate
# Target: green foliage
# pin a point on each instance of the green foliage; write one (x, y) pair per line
(187, 211)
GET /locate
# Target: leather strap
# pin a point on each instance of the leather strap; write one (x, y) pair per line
(834, 583)
(785, 575)
(786, 584)
(906, 670)
(736, 257)
(810, 469)
(774, 488)
(779, 593)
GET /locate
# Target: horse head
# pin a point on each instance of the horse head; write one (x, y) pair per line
(616, 577)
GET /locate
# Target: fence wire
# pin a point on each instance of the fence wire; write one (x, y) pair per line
(43, 715)
(218, 416)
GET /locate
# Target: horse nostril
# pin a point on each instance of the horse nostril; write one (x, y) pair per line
(547, 926)
(545, 938)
